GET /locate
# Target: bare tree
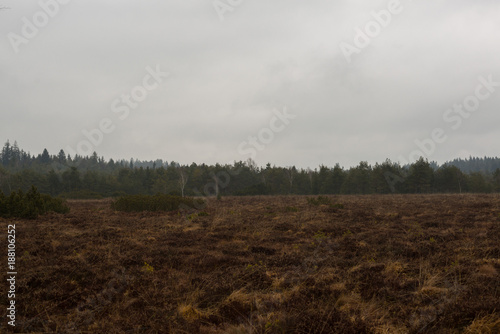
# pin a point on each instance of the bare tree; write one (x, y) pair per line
(183, 180)
(310, 173)
(251, 164)
(216, 179)
(290, 173)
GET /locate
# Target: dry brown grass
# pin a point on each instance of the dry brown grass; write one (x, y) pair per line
(488, 324)
(380, 264)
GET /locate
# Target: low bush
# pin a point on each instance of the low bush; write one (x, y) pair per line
(159, 202)
(320, 200)
(30, 205)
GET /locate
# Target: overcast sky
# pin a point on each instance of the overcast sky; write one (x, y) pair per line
(234, 64)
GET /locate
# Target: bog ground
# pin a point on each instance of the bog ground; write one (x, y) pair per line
(349, 264)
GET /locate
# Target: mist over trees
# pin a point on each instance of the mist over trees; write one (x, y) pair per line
(93, 177)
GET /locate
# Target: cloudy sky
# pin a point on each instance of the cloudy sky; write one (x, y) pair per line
(363, 80)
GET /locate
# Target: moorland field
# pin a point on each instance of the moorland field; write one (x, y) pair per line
(290, 264)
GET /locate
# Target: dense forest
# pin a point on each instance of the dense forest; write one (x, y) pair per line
(94, 177)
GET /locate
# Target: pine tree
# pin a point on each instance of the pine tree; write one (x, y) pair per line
(45, 157)
(61, 157)
(6, 154)
(15, 156)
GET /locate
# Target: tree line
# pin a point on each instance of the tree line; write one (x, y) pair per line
(93, 177)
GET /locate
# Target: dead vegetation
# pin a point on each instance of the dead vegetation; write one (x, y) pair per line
(347, 264)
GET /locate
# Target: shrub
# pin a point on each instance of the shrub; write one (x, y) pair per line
(159, 202)
(30, 205)
(319, 200)
(57, 205)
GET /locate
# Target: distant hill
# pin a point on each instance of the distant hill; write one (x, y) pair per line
(486, 165)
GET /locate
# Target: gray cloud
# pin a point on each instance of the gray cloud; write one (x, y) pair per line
(228, 76)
